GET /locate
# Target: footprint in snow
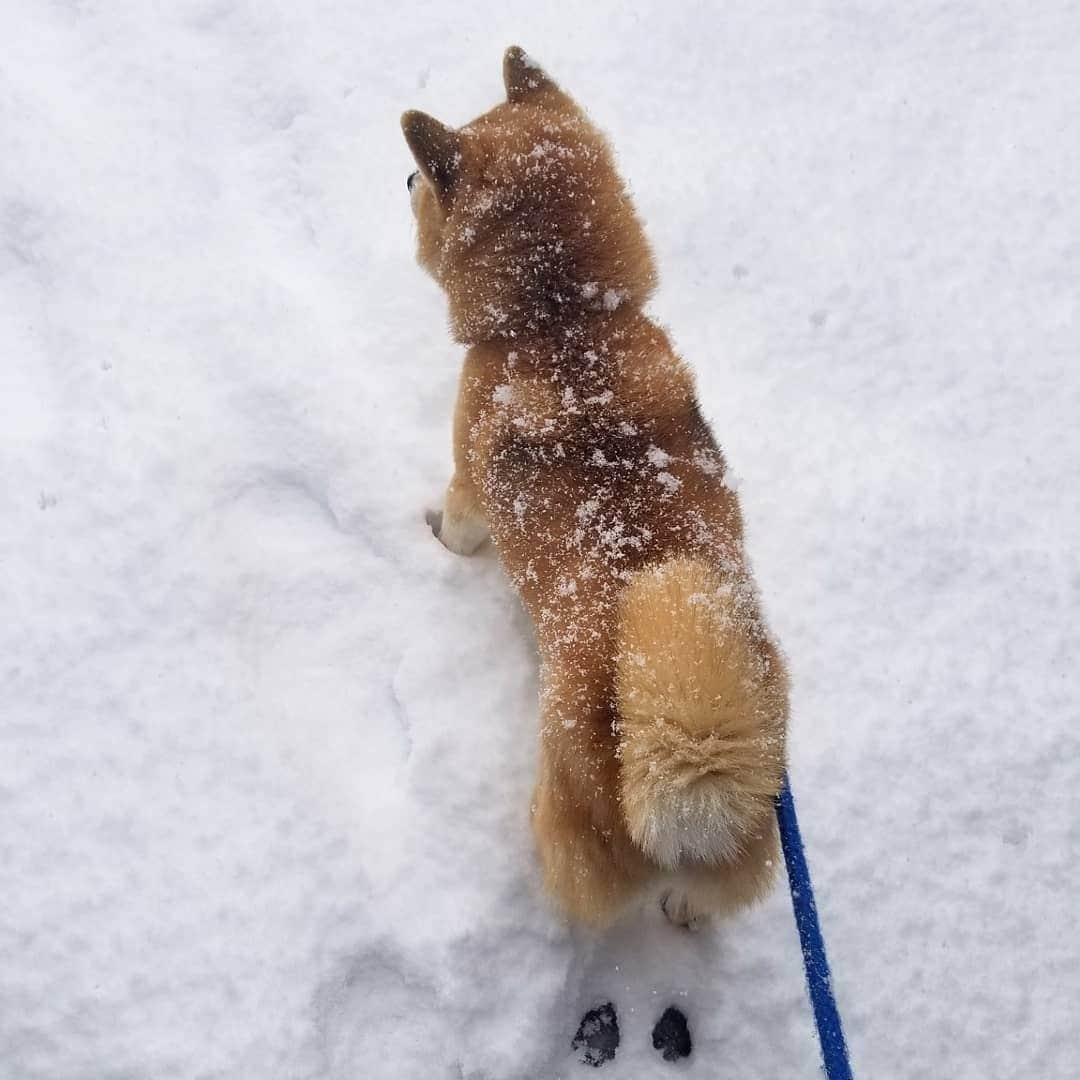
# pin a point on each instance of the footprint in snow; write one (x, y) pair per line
(597, 1036)
(671, 1036)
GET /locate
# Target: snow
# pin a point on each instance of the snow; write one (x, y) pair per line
(668, 482)
(613, 298)
(266, 748)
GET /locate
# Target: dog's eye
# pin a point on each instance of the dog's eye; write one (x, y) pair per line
(413, 177)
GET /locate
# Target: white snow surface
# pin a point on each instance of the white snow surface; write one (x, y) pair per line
(266, 748)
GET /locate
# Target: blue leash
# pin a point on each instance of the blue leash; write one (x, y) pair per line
(834, 1052)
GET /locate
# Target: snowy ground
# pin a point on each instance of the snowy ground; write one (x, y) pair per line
(266, 748)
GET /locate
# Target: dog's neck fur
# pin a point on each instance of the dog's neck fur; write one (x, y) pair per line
(536, 282)
(517, 325)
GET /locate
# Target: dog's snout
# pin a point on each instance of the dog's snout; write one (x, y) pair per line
(413, 177)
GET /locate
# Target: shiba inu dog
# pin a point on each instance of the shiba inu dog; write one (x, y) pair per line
(580, 448)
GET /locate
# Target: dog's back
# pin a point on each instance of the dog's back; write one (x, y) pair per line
(663, 700)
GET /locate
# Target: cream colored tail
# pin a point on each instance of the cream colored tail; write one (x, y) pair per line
(702, 701)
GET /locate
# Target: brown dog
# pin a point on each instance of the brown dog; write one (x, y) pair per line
(579, 444)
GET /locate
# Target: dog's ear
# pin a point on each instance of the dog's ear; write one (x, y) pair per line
(524, 77)
(436, 149)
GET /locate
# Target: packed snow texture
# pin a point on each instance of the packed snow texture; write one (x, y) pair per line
(266, 748)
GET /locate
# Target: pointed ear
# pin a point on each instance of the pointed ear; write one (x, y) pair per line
(523, 76)
(435, 147)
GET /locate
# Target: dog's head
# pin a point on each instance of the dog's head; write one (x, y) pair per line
(521, 215)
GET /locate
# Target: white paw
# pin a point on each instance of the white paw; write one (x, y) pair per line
(675, 904)
(463, 536)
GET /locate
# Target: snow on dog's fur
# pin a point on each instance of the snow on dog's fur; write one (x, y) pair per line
(579, 444)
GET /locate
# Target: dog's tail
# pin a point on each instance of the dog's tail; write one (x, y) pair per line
(702, 705)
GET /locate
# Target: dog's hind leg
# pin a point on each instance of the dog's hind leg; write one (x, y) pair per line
(581, 870)
(591, 868)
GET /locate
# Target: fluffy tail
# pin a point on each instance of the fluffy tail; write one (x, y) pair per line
(702, 702)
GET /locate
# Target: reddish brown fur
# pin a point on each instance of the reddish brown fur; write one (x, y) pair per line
(578, 440)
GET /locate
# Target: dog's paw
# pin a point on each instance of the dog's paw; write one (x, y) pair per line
(463, 536)
(675, 904)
